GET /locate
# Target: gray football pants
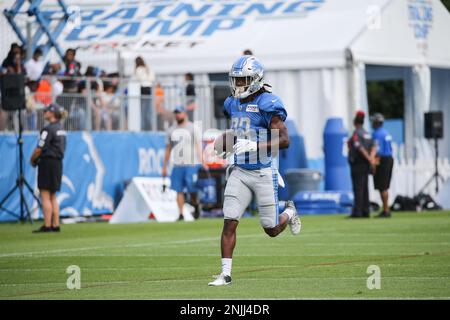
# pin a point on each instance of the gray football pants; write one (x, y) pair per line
(242, 185)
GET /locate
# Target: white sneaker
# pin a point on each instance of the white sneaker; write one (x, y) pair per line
(221, 280)
(294, 223)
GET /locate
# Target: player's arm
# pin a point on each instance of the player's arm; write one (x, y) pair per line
(199, 150)
(374, 150)
(166, 159)
(44, 138)
(279, 136)
(35, 156)
(365, 154)
(356, 140)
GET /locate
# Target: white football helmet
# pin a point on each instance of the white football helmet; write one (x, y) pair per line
(251, 73)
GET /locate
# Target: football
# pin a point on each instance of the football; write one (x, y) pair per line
(225, 142)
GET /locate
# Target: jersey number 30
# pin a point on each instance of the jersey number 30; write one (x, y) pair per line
(241, 124)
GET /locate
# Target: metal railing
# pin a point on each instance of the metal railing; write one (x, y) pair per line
(96, 104)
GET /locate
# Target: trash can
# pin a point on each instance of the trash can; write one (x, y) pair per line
(302, 180)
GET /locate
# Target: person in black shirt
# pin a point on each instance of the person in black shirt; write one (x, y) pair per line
(48, 157)
(361, 162)
(73, 68)
(14, 63)
(190, 95)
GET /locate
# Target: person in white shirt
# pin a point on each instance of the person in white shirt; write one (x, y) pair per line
(35, 66)
(146, 77)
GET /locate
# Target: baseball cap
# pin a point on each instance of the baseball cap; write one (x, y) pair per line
(54, 107)
(360, 114)
(378, 117)
(179, 108)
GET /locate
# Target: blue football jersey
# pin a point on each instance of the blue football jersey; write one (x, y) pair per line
(252, 120)
(383, 140)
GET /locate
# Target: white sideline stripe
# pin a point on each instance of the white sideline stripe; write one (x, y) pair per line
(206, 279)
(382, 255)
(137, 245)
(340, 298)
(139, 268)
(153, 268)
(347, 233)
(151, 244)
(374, 244)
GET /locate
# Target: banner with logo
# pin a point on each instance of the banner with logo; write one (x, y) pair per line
(96, 167)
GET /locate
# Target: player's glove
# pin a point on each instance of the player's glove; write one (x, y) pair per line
(244, 145)
(280, 180)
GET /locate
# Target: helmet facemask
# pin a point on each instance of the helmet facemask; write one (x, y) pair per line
(239, 86)
(247, 79)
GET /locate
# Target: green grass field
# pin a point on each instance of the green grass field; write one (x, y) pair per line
(176, 261)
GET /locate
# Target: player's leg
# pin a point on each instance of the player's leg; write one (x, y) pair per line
(237, 198)
(358, 185)
(47, 207)
(228, 238)
(55, 212)
(180, 204)
(45, 184)
(268, 208)
(382, 180)
(385, 198)
(266, 191)
(366, 201)
(47, 210)
(191, 184)
(177, 184)
(196, 204)
(57, 186)
(227, 243)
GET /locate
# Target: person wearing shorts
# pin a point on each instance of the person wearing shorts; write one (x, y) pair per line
(48, 157)
(384, 160)
(185, 146)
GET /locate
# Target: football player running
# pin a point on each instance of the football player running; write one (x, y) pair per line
(257, 120)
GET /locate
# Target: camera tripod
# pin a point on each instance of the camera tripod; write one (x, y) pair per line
(21, 183)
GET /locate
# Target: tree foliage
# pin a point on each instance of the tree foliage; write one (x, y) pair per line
(446, 3)
(386, 97)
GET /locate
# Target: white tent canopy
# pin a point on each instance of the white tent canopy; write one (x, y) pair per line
(285, 34)
(406, 33)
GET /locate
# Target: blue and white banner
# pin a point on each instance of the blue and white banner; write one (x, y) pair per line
(95, 168)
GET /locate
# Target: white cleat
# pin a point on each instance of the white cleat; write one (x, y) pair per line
(221, 280)
(294, 223)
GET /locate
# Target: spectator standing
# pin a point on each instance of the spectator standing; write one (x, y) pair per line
(109, 113)
(163, 115)
(384, 161)
(190, 95)
(78, 109)
(48, 157)
(360, 147)
(146, 77)
(184, 143)
(35, 66)
(49, 87)
(13, 63)
(73, 68)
